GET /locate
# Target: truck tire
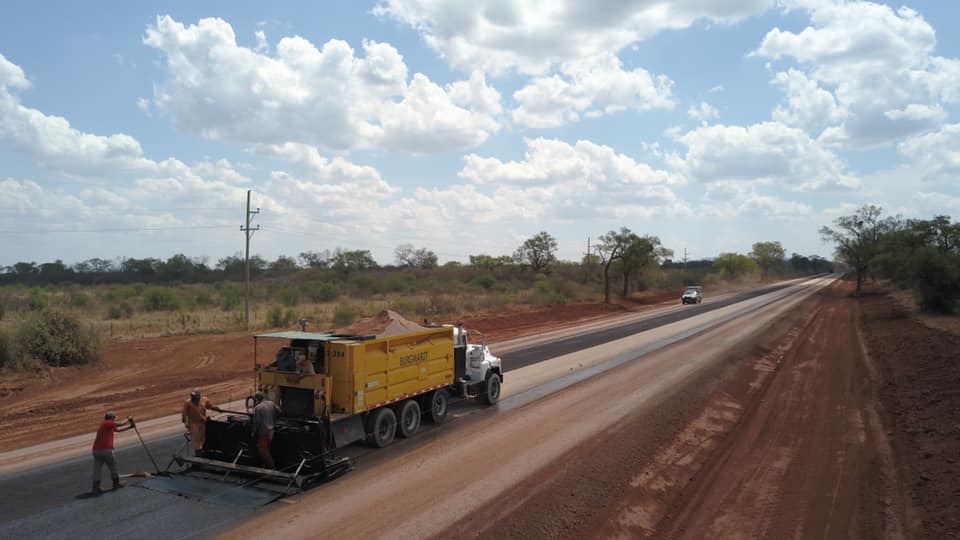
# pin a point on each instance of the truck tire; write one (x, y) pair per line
(381, 427)
(491, 390)
(409, 418)
(437, 405)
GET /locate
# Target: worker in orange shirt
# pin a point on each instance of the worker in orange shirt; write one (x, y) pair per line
(194, 418)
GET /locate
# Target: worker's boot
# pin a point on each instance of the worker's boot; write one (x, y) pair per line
(117, 484)
(96, 488)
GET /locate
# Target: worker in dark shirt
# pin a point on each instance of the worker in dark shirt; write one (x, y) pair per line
(265, 413)
(103, 449)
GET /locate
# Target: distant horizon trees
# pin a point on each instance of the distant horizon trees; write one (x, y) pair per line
(628, 255)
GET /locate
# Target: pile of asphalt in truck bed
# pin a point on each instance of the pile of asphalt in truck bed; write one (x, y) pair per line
(383, 324)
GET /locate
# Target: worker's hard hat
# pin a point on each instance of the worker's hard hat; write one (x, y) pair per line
(195, 393)
(110, 415)
(258, 397)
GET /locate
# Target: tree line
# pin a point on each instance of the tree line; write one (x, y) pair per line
(917, 254)
(626, 255)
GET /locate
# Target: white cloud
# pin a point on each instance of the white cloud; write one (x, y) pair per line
(589, 87)
(262, 45)
(53, 141)
(808, 106)
(312, 165)
(934, 203)
(730, 199)
(326, 97)
(877, 62)
(144, 105)
(703, 112)
(530, 36)
(767, 152)
(936, 154)
(583, 180)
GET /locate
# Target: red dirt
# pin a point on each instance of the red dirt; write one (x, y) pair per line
(921, 366)
(785, 439)
(150, 378)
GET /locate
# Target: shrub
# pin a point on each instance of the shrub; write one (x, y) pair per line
(545, 295)
(203, 299)
(57, 339)
(937, 279)
(79, 299)
(160, 299)
(402, 283)
(36, 300)
(230, 296)
(123, 310)
(290, 296)
(321, 291)
(343, 315)
(484, 280)
(6, 354)
(277, 317)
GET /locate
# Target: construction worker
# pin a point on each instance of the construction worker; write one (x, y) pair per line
(194, 418)
(265, 413)
(103, 450)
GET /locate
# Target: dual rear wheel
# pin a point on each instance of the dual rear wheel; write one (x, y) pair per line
(403, 419)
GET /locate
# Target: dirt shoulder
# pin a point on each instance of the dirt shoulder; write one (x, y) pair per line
(921, 368)
(784, 439)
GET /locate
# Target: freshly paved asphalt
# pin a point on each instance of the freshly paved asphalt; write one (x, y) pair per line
(52, 502)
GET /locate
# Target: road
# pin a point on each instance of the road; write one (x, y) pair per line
(48, 502)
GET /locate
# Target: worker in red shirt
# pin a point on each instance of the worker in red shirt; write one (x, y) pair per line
(194, 418)
(103, 449)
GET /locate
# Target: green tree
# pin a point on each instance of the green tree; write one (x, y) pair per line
(348, 262)
(856, 236)
(640, 253)
(410, 257)
(611, 247)
(923, 256)
(734, 265)
(282, 266)
(768, 255)
(538, 252)
(315, 259)
(489, 262)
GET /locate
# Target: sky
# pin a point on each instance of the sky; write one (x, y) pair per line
(135, 129)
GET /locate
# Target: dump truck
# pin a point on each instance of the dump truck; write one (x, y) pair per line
(335, 390)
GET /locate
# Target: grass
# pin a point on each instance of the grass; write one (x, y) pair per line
(327, 299)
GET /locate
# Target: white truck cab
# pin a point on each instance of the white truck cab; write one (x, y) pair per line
(479, 373)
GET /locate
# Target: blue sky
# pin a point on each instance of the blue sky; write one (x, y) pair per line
(464, 127)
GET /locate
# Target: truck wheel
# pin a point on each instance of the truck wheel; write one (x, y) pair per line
(491, 390)
(382, 427)
(409, 421)
(438, 406)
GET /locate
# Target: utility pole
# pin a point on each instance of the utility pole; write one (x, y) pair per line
(684, 258)
(248, 232)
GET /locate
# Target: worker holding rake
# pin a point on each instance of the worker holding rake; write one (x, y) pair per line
(194, 417)
(103, 449)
